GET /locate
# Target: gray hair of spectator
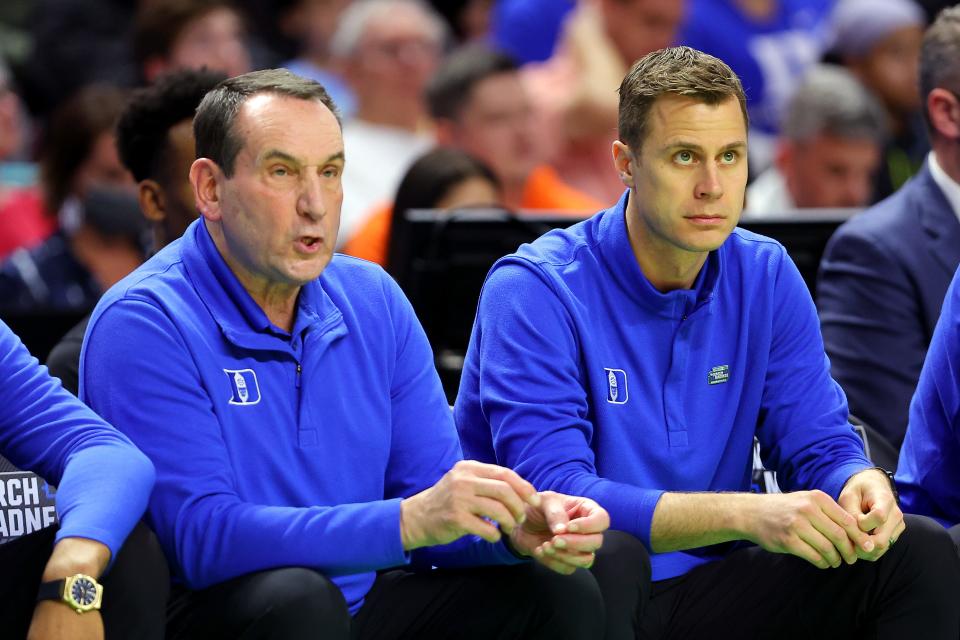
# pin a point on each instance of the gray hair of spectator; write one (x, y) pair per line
(213, 129)
(450, 88)
(940, 56)
(679, 71)
(831, 100)
(355, 19)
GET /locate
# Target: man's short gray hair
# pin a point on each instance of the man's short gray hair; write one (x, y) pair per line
(940, 56)
(354, 20)
(831, 101)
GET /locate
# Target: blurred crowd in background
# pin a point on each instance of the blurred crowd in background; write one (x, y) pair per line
(508, 103)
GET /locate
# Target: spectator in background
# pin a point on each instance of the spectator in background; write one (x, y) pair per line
(879, 41)
(311, 24)
(190, 34)
(770, 44)
(480, 105)
(155, 141)
(885, 272)
(90, 193)
(575, 91)
(388, 49)
(23, 222)
(829, 147)
(443, 178)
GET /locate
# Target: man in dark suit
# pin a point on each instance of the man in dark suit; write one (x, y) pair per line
(885, 272)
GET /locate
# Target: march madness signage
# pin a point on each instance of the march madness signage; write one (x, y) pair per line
(26, 503)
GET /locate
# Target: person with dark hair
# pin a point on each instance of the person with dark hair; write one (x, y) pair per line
(52, 575)
(635, 357)
(155, 143)
(884, 274)
(479, 105)
(320, 447)
(190, 34)
(443, 178)
(90, 192)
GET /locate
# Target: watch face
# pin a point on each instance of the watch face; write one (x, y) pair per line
(83, 591)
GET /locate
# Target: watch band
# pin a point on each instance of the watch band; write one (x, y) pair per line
(892, 481)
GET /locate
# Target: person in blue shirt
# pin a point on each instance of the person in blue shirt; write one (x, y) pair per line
(634, 357)
(103, 484)
(302, 441)
(928, 474)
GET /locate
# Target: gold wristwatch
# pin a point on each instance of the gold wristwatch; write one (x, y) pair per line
(79, 592)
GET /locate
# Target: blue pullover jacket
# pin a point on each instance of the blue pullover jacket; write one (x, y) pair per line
(103, 480)
(585, 379)
(275, 449)
(928, 473)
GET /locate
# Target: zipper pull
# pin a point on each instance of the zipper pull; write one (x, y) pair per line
(299, 371)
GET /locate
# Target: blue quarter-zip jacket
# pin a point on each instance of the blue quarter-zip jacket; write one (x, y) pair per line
(103, 480)
(274, 449)
(928, 473)
(585, 379)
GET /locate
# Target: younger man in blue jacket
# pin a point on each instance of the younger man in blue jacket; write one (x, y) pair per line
(633, 358)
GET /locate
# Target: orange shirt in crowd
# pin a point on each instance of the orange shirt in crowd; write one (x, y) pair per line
(543, 190)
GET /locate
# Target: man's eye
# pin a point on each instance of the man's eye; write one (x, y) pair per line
(280, 172)
(331, 172)
(684, 157)
(729, 157)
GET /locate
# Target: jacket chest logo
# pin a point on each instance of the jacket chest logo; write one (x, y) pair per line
(718, 374)
(617, 392)
(244, 388)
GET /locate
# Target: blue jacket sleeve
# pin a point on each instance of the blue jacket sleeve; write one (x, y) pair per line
(804, 433)
(872, 328)
(525, 334)
(104, 481)
(425, 443)
(928, 473)
(137, 372)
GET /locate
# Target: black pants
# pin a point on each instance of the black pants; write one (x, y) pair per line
(911, 592)
(134, 591)
(490, 603)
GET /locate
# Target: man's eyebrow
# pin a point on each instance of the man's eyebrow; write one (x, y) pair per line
(693, 146)
(277, 154)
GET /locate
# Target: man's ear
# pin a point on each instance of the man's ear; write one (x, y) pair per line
(622, 162)
(943, 109)
(205, 177)
(150, 196)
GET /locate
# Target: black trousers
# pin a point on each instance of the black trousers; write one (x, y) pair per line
(135, 589)
(490, 603)
(911, 592)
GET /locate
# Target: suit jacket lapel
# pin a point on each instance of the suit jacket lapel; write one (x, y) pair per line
(939, 221)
